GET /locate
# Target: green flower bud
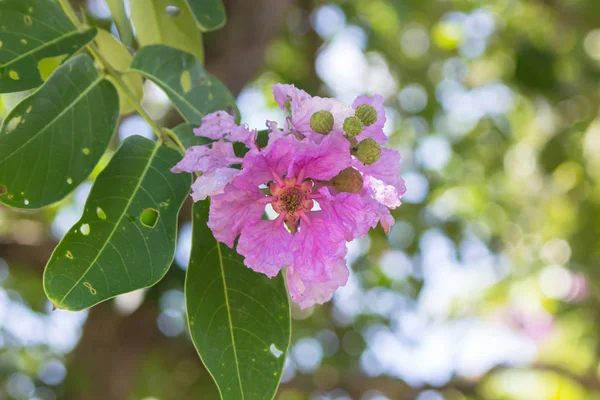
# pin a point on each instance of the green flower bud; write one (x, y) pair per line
(366, 113)
(368, 151)
(322, 122)
(352, 126)
(348, 180)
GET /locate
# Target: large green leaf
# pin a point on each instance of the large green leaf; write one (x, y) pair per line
(239, 320)
(209, 14)
(168, 22)
(51, 141)
(193, 91)
(125, 239)
(34, 35)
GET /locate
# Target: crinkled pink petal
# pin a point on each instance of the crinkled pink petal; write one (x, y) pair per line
(375, 130)
(267, 246)
(383, 178)
(307, 293)
(206, 158)
(260, 167)
(215, 125)
(289, 93)
(349, 210)
(213, 183)
(383, 213)
(274, 132)
(231, 210)
(221, 125)
(317, 246)
(322, 161)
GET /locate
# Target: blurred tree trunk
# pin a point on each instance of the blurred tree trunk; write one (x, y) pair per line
(107, 361)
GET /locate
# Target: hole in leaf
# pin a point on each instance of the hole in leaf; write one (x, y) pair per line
(3, 190)
(149, 217)
(89, 286)
(275, 351)
(100, 213)
(186, 81)
(12, 124)
(172, 11)
(69, 181)
(85, 229)
(26, 202)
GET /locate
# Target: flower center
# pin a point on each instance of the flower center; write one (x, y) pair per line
(291, 198)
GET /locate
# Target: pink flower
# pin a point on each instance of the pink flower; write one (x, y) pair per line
(221, 125)
(318, 156)
(312, 243)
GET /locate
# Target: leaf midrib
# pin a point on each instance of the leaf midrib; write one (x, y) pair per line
(118, 222)
(60, 115)
(237, 363)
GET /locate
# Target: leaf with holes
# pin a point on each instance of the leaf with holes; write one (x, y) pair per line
(119, 58)
(35, 36)
(193, 91)
(209, 14)
(239, 320)
(168, 22)
(125, 239)
(52, 140)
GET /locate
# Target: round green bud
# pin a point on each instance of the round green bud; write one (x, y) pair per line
(322, 122)
(348, 180)
(366, 113)
(352, 126)
(368, 151)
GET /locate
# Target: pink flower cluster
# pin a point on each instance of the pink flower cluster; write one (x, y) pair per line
(327, 153)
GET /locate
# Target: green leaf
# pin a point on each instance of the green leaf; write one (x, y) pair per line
(185, 133)
(167, 22)
(35, 35)
(239, 320)
(51, 141)
(125, 239)
(117, 9)
(209, 14)
(193, 91)
(120, 58)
